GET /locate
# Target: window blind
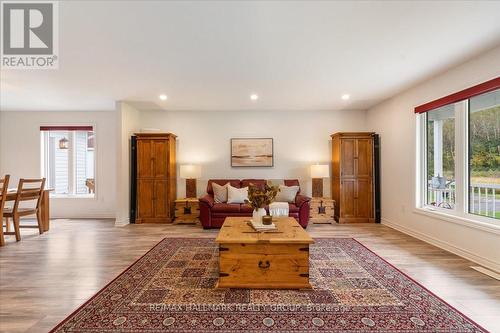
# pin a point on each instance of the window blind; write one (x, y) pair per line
(479, 89)
(66, 128)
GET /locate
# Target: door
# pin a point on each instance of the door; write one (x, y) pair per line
(161, 206)
(363, 158)
(145, 195)
(348, 194)
(160, 158)
(347, 154)
(144, 158)
(364, 198)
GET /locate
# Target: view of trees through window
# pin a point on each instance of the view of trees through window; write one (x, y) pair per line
(484, 155)
(483, 145)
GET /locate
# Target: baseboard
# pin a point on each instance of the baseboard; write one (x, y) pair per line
(486, 271)
(122, 222)
(488, 263)
(84, 216)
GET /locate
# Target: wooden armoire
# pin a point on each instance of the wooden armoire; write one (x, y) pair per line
(352, 177)
(156, 177)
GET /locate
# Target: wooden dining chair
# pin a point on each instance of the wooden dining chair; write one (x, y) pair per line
(28, 190)
(4, 186)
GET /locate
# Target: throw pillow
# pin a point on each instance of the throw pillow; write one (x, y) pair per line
(220, 192)
(287, 193)
(237, 195)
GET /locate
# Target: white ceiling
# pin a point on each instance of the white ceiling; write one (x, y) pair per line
(209, 55)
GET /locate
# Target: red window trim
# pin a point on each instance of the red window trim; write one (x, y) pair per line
(460, 96)
(66, 128)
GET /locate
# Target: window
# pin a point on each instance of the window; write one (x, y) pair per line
(484, 155)
(460, 153)
(441, 157)
(68, 160)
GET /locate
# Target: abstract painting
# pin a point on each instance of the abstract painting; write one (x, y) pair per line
(255, 152)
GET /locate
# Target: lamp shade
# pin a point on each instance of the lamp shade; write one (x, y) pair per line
(190, 171)
(320, 171)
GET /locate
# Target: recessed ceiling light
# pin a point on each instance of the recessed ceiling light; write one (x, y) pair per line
(254, 97)
(163, 97)
(345, 97)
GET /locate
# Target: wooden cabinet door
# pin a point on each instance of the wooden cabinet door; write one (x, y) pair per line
(160, 151)
(144, 158)
(161, 204)
(364, 198)
(347, 199)
(347, 154)
(363, 158)
(145, 195)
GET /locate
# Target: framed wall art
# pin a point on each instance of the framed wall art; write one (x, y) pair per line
(252, 152)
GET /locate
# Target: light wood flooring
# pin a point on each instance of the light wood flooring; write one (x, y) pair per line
(44, 278)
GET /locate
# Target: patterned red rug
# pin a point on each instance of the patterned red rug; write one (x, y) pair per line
(171, 289)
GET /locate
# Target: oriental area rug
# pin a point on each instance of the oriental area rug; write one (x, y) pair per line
(172, 289)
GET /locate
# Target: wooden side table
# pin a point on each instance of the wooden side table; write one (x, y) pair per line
(322, 210)
(187, 211)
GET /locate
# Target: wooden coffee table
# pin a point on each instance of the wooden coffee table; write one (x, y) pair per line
(276, 259)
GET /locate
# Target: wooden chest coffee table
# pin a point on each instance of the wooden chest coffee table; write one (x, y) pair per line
(276, 259)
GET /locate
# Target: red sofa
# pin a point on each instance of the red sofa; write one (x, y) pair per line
(212, 214)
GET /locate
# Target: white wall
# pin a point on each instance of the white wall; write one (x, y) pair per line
(301, 138)
(396, 122)
(127, 121)
(20, 156)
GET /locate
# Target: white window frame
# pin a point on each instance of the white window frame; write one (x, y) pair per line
(460, 214)
(71, 181)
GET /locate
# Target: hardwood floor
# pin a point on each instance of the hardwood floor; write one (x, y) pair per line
(44, 278)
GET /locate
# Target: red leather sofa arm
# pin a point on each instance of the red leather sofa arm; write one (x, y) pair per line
(304, 205)
(207, 199)
(206, 204)
(301, 200)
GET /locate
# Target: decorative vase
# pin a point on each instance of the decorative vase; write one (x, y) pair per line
(257, 215)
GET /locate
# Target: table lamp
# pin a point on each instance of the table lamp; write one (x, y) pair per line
(318, 172)
(190, 172)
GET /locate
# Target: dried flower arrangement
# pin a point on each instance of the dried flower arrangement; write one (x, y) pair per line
(258, 198)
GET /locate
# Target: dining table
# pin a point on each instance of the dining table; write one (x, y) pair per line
(44, 205)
